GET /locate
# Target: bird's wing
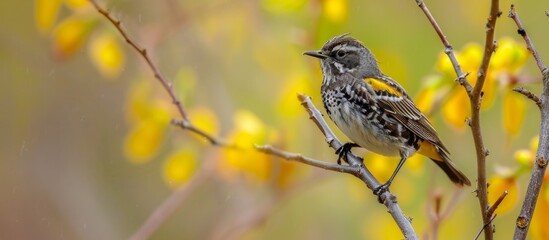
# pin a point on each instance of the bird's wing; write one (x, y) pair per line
(394, 100)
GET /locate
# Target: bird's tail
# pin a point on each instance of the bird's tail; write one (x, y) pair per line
(453, 173)
(441, 158)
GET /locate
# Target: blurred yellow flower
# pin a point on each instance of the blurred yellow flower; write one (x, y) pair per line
(509, 56)
(514, 111)
(107, 55)
(204, 119)
(149, 119)
(179, 167)
(45, 13)
(456, 109)
(245, 160)
(69, 35)
(139, 100)
(539, 221)
(524, 157)
(335, 10)
(283, 6)
(143, 141)
(428, 93)
(76, 4)
(499, 184)
(289, 107)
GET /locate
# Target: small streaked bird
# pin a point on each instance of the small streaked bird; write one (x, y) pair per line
(374, 111)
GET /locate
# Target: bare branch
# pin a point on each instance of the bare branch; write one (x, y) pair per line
(475, 97)
(185, 123)
(356, 167)
(529, 95)
(476, 100)
(484, 226)
(449, 50)
(522, 32)
(306, 160)
(538, 171)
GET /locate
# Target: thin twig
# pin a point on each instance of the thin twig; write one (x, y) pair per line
(356, 167)
(184, 123)
(484, 226)
(437, 215)
(497, 203)
(529, 95)
(449, 50)
(538, 171)
(306, 160)
(522, 32)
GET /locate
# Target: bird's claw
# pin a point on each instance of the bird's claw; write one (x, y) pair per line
(381, 189)
(343, 150)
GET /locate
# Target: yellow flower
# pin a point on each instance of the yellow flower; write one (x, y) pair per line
(456, 109)
(179, 167)
(509, 56)
(514, 111)
(204, 119)
(289, 106)
(45, 12)
(77, 4)
(335, 10)
(428, 93)
(245, 161)
(283, 6)
(538, 228)
(107, 55)
(143, 141)
(526, 157)
(70, 34)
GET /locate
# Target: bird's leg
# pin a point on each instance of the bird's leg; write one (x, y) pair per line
(385, 187)
(343, 150)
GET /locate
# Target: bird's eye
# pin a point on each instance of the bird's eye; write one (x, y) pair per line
(340, 53)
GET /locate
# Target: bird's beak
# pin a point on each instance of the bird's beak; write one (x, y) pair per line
(316, 54)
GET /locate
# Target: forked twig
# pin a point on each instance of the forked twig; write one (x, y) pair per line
(184, 123)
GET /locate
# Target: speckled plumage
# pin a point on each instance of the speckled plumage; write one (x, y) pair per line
(373, 110)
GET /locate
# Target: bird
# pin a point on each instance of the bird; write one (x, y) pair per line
(374, 111)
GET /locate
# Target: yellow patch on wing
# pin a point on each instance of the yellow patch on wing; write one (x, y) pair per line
(379, 85)
(429, 150)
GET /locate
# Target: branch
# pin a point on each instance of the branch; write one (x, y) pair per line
(475, 97)
(306, 160)
(185, 123)
(493, 208)
(449, 50)
(522, 32)
(538, 171)
(529, 95)
(491, 211)
(355, 167)
(476, 100)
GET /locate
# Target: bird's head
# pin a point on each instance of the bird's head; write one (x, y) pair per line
(346, 55)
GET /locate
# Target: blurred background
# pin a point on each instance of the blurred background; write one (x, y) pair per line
(87, 150)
